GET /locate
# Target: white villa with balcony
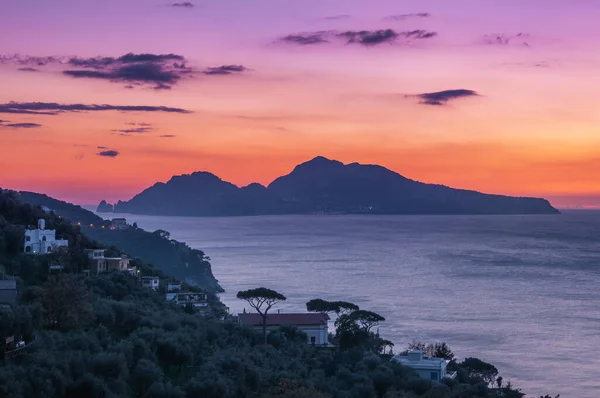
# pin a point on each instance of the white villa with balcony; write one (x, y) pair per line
(42, 240)
(433, 369)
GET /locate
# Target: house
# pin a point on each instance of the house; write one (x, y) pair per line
(118, 224)
(8, 292)
(173, 287)
(427, 368)
(151, 282)
(100, 263)
(313, 324)
(197, 300)
(42, 240)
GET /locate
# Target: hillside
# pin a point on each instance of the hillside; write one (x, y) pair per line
(107, 336)
(169, 256)
(320, 186)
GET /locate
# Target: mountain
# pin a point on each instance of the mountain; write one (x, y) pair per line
(321, 185)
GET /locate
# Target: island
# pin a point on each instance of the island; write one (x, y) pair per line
(320, 186)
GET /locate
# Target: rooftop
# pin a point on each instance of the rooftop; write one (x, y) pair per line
(8, 284)
(284, 319)
(415, 359)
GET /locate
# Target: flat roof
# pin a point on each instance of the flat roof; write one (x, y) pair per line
(425, 363)
(8, 284)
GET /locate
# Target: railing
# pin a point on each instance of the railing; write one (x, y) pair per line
(19, 350)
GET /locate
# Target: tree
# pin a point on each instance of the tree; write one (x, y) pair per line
(365, 319)
(479, 370)
(338, 307)
(354, 329)
(262, 300)
(67, 301)
(162, 233)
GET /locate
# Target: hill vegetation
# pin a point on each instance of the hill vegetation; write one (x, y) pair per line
(155, 248)
(319, 186)
(106, 336)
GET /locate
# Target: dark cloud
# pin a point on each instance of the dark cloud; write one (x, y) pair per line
(21, 125)
(130, 58)
(500, 39)
(28, 69)
(375, 37)
(162, 70)
(144, 72)
(305, 39)
(370, 38)
(442, 97)
(186, 4)
(225, 70)
(53, 108)
(401, 17)
(337, 17)
(168, 136)
(136, 130)
(102, 147)
(139, 124)
(162, 86)
(30, 60)
(111, 153)
(362, 37)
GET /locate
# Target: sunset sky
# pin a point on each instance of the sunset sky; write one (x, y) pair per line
(497, 96)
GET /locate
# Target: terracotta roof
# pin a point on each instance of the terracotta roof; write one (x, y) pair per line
(284, 319)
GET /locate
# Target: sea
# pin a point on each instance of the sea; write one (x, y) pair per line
(520, 292)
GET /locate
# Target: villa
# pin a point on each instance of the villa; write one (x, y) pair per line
(197, 300)
(313, 324)
(100, 263)
(427, 368)
(42, 240)
(151, 282)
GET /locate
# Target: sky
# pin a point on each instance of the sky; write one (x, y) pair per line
(101, 99)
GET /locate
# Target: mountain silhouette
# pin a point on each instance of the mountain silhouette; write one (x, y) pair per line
(320, 186)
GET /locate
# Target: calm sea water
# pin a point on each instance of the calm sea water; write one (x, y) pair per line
(522, 292)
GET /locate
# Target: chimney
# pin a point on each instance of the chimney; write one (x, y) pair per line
(41, 224)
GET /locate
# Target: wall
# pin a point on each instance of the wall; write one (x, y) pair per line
(37, 245)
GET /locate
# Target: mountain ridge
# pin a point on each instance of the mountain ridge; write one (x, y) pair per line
(322, 186)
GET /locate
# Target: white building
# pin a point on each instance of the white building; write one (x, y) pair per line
(151, 282)
(103, 264)
(42, 240)
(427, 368)
(313, 324)
(196, 300)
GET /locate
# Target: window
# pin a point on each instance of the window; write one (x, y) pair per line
(313, 340)
(43, 238)
(28, 249)
(49, 249)
(28, 238)
(434, 376)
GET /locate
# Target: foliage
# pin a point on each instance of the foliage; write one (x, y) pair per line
(337, 307)
(67, 302)
(434, 350)
(479, 370)
(118, 339)
(262, 300)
